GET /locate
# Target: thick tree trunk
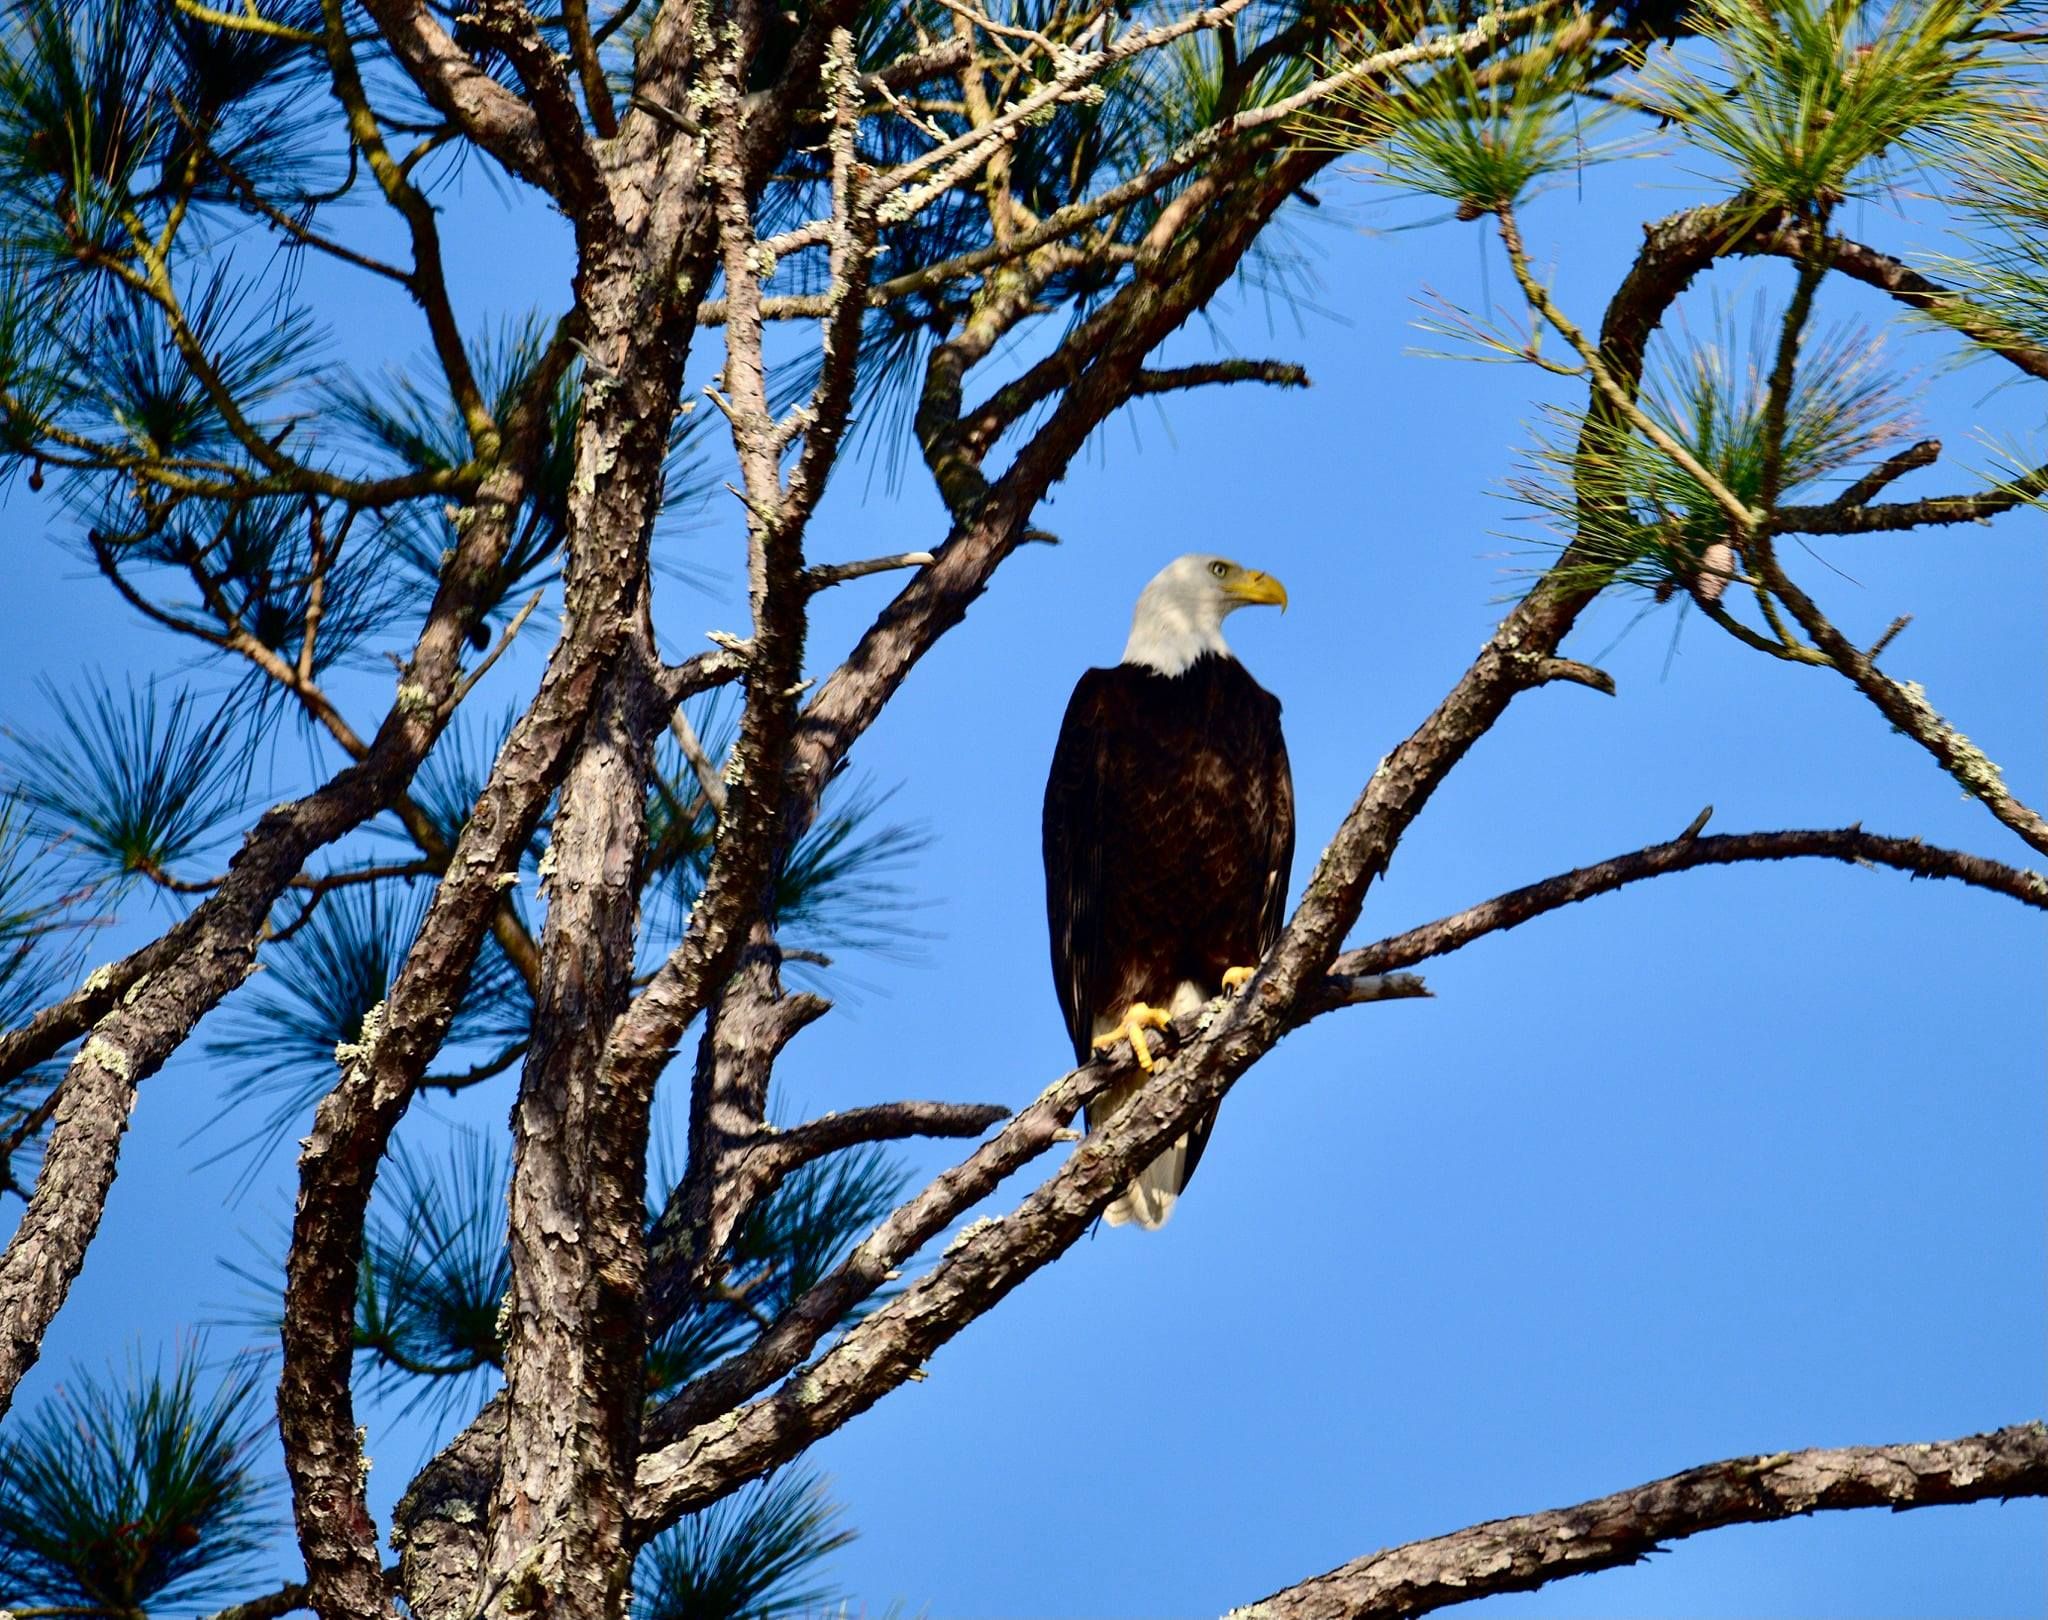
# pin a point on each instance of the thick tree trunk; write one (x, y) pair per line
(575, 1341)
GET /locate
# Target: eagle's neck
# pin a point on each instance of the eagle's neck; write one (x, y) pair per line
(1169, 632)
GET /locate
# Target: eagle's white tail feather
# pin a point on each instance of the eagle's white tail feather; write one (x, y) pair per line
(1150, 1198)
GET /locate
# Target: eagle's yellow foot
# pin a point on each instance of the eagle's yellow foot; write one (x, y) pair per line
(1139, 1019)
(1237, 978)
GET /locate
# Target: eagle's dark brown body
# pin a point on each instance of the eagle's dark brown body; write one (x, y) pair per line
(1169, 836)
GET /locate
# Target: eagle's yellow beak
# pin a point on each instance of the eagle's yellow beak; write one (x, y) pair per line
(1250, 585)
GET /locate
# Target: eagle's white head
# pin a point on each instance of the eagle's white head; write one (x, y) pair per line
(1180, 614)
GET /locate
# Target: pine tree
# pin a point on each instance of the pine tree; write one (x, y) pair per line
(905, 232)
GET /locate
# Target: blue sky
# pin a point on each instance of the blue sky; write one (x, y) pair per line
(1740, 1160)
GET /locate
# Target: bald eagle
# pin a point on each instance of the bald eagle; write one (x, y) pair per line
(1169, 836)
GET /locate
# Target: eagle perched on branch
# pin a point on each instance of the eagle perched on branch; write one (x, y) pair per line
(1169, 836)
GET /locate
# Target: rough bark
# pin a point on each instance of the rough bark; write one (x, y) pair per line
(575, 1354)
(1520, 1554)
(622, 430)
(576, 1341)
(352, 1129)
(736, 1158)
(215, 950)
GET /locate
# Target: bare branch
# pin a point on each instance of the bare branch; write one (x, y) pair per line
(287, 1599)
(489, 1068)
(1611, 1532)
(821, 575)
(701, 763)
(1339, 991)
(1933, 511)
(1892, 632)
(1543, 671)
(1908, 286)
(798, 1146)
(577, 180)
(1889, 471)
(505, 640)
(749, 1023)
(908, 193)
(300, 231)
(1904, 704)
(597, 94)
(933, 62)
(1278, 372)
(1688, 850)
(271, 1606)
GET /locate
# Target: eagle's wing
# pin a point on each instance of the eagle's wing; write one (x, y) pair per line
(1074, 840)
(1279, 831)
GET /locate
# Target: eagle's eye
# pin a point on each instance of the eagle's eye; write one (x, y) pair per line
(1219, 569)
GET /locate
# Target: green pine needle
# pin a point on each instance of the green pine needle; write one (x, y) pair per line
(280, 1038)
(38, 956)
(32, 919)
(435, 1272)
(838, 889)
(1481, 140)
(749, 1557)
(785, 1245)
(135, 787)
(2002, 197)
(77, 121)
(135, 1492)
(452, 778)
(1653, 521)
(805, 1229)
(1809, 101)
(100, 104)
(139, 389)
(418, 428)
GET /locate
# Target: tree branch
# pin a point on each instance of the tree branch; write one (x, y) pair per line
(487, 112)
(578, 181)
(1277, 372)
(1889, 275)
(1904, 703)
(724, 1448)
(820, 576)
(427, 280)
(1933, 511)
(1849, 844)
(1610, 1532)
(800, 1145)
(597, 95)
(1888, 472)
